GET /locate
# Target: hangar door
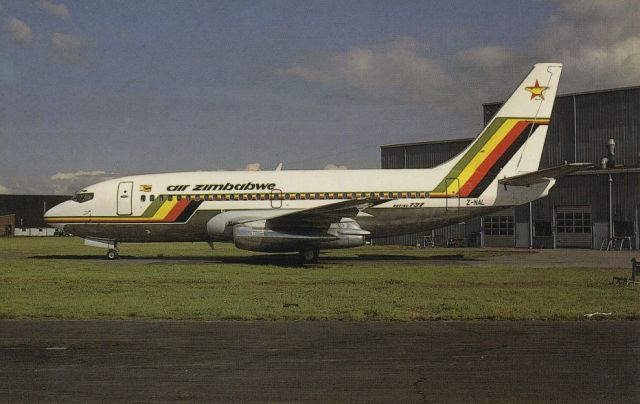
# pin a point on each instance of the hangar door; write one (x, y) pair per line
(573, 226)
(499, 229)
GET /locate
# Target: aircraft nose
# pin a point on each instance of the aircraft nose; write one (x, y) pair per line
(53, 213)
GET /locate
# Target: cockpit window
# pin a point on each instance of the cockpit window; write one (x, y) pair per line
(82, 197)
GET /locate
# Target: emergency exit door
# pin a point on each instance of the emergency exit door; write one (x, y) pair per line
(125, 197)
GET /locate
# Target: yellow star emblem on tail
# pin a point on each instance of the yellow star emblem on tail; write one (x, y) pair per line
(536, 90)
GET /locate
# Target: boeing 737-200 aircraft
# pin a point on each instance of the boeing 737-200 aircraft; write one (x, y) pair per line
(307, 211)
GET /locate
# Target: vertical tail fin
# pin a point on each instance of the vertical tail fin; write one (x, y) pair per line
(522, 121)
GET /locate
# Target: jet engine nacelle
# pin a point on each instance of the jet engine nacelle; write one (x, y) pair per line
(220, 227)
(345, 234)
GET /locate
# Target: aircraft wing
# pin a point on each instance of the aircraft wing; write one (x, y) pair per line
(322, 216)
(537, 177)
(307, 221)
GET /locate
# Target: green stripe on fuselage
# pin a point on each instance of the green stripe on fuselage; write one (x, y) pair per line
(153, 208)
(475, 149)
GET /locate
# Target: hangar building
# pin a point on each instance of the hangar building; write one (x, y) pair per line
(23, 214)
(577, 212)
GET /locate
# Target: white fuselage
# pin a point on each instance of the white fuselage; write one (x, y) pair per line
(122, 209)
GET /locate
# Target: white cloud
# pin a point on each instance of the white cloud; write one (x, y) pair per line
(20, 31)
(252, 167)
(67, 48)
(67, 182)
(78, 174)
(3, 189)
(59, 10)
(597, 40)
(335, 167)
(401, 70)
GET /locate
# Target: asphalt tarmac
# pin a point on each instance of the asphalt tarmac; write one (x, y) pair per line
(479, 361)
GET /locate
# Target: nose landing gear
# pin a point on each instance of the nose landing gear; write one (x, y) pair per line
(112, 254)
(110, 245)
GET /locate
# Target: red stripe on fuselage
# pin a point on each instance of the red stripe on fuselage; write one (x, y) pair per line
(491, 159)
(175, 212)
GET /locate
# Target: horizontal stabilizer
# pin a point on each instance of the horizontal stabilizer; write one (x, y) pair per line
(540, 176)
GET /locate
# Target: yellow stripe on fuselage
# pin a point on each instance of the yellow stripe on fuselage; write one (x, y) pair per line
(486, 150)
(164, 210)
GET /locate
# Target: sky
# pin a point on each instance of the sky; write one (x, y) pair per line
(94, 89)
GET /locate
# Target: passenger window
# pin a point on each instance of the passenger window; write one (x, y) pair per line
(143, 198)
(169, 197)
(152, 198)
(161, 197)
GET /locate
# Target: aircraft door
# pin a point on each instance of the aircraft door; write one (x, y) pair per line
(125, 197)
(452, 200)
(276, 198)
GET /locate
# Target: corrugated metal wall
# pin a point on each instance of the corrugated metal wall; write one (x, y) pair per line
(421, 155)
(613, 114)
(559, 146)
(393, 157)
(592, 190)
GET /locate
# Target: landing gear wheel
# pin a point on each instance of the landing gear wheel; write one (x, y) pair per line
(112, 254)
(309, 255)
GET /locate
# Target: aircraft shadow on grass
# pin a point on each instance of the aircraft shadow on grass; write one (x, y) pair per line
(282, 260)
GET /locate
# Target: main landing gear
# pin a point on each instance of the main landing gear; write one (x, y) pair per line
(112, 254)
(309, 255)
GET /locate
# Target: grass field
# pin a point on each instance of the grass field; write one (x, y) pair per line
(61, 278)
